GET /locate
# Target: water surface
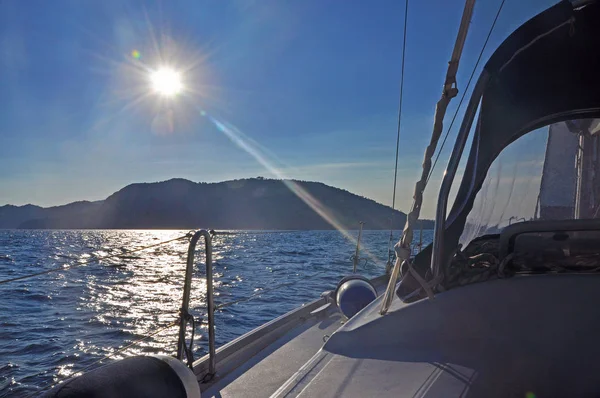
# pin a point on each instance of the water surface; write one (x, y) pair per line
(55, 325)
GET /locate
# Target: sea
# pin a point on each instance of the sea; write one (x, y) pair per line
(102, 303)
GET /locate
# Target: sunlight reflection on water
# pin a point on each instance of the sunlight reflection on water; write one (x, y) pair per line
(55, 325)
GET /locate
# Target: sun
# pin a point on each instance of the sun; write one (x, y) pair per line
(166, 81)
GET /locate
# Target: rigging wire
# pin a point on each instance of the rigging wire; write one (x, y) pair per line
(176, 323)
(252, 296)
(93, 260)
(261, 292)
(98, 259)
(398, 128)
(465, 90)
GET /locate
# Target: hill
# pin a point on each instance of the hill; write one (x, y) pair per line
(255, 203)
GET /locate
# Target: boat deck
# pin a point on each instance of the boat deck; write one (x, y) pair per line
(265, 372)
(258, 363)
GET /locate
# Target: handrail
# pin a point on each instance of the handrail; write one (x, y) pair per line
(185, 316)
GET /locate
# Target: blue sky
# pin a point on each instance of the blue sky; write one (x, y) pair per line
(312, 85)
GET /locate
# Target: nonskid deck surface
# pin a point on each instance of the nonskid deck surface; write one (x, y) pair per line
(264, 373)
(509, 337)
(516, 337)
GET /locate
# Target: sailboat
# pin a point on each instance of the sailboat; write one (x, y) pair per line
(510, 313)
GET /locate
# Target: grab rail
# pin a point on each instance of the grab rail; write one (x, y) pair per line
(185, 316)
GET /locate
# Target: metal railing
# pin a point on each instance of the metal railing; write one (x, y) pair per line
(185, 316)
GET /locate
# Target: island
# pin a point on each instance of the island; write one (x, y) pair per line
(244, 204)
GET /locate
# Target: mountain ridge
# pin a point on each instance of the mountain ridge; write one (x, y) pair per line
(253, 203)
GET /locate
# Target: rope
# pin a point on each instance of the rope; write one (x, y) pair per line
(402, 248)
(93, 260)
(118, 351)
(398, 133)
(189, 353)
(466, 90)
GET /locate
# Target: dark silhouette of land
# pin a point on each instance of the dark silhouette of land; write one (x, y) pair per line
(255, 203)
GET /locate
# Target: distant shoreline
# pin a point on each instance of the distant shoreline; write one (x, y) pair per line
(258, 204)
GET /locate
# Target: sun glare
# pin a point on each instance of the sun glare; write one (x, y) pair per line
(166, 81)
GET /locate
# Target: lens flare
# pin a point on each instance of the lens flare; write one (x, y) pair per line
(254, 149)
(166, 81)
(136, 54)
